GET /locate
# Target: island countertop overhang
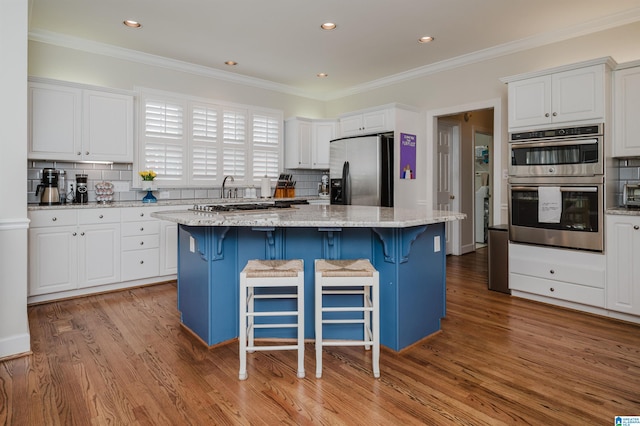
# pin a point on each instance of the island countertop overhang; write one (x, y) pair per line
(315, 216)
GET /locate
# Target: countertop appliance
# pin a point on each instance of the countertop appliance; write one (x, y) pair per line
(361, 170)
(82, 195)
(631, 195)
(48, 188)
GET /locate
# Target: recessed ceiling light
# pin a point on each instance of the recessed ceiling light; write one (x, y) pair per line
(322, 75)
(132, 24)
(425, 39)
(328, 26)
(231, 63)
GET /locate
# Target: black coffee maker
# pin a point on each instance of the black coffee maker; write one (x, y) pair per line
(48, 188)
(82, 196)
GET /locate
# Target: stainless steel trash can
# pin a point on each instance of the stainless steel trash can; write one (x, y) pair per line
(498, 242)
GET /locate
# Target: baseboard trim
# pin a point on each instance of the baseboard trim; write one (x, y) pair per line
(17, 345)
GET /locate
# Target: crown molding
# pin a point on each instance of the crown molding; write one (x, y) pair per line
(600, 24)
(95, 47)
(594, 26)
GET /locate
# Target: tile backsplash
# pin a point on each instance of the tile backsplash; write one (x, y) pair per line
(306, 186)
(629, 172)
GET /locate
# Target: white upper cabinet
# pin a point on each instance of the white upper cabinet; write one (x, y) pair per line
(366, 122)
(307, 143)
(626, 112)
(75, 124)
(107, 127)
(564, 97)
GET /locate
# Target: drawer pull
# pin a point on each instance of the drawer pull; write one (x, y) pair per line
(141, 243)
(552, 289)
(141, 229)
(142, 262)
(552, 272)
(101, 216)
(82, 234)
(636, 227)
(74, 234)
(141, 214)
(54, 219)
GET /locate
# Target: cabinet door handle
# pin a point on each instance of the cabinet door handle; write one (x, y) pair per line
(54, 219)
(141, 229)
(101, 216)
(78, 153)
(552, 272)
(141, 214)
(141, 243)
(552, 289)
(142, 262)
(555, 114)
(636, 227)
(82, 234)
(86, 153)
(546, 115)
(74, 234)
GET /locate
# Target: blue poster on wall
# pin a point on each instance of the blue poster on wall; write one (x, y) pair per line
(407, 156)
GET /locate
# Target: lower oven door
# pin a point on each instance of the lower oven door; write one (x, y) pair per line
(576, 206)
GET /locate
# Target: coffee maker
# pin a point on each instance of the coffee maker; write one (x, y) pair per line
(48, 188)
(82, 196)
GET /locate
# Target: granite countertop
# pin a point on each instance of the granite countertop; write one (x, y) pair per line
(314, 215)
(138, 203)
(625, 211)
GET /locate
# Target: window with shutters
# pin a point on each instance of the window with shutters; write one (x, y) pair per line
(196, 143)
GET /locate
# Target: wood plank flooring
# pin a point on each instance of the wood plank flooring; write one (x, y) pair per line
(123, 358)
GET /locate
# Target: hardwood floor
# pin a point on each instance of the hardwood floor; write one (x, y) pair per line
(123, 358)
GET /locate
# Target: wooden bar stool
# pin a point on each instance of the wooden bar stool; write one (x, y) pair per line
(286, 278)
(347, 279)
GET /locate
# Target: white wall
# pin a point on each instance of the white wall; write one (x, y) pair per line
(14, 327)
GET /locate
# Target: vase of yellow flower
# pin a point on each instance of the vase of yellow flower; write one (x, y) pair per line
(147, 183)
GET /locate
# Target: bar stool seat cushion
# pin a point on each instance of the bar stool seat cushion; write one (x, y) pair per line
(273, 268)
(345, 268)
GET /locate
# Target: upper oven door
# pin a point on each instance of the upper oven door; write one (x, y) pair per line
(557, 157)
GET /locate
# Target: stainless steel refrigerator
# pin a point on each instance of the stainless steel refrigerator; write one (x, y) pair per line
(361, 170)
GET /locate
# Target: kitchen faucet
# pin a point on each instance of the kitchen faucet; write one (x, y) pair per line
(223, 184)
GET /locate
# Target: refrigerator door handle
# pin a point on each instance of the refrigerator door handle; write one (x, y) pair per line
(346, 184)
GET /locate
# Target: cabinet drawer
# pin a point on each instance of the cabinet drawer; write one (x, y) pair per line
(130, 229)
(140, 264)
(569, 266)
(558, 290)
(140, 242)
(137, 214)
(47, 218)
(93, 216)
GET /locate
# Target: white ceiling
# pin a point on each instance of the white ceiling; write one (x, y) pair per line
(280, 41)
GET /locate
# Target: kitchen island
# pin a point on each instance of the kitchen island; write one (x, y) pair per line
(406, 246)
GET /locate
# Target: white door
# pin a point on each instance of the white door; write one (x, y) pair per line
(448, 172)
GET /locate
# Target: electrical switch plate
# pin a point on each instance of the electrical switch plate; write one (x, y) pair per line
(120, 186)
(505, 174)
(436, 243)
(192, 244)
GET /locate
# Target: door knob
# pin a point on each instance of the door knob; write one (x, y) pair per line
(452, 197)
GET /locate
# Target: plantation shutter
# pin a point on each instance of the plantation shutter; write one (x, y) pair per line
(234, 156)
(204, 143)
(163, 150)
(266, 131)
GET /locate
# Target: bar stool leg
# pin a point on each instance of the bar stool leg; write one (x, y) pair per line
(301, 325)
(318, 323)
(242, 375)
(376, 325)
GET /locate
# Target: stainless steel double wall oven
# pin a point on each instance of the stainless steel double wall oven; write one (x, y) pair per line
(556, 187)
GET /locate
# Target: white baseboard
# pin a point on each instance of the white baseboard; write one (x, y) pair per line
(14, 345)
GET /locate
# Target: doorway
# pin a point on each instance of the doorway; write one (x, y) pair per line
(477, 152)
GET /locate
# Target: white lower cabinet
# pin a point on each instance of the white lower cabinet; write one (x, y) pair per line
(80, 251)
(70, 249)
(566, 275)
(623, 269)
(140, 244)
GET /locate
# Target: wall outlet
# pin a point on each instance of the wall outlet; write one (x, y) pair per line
(120, 186)
(71, 186)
